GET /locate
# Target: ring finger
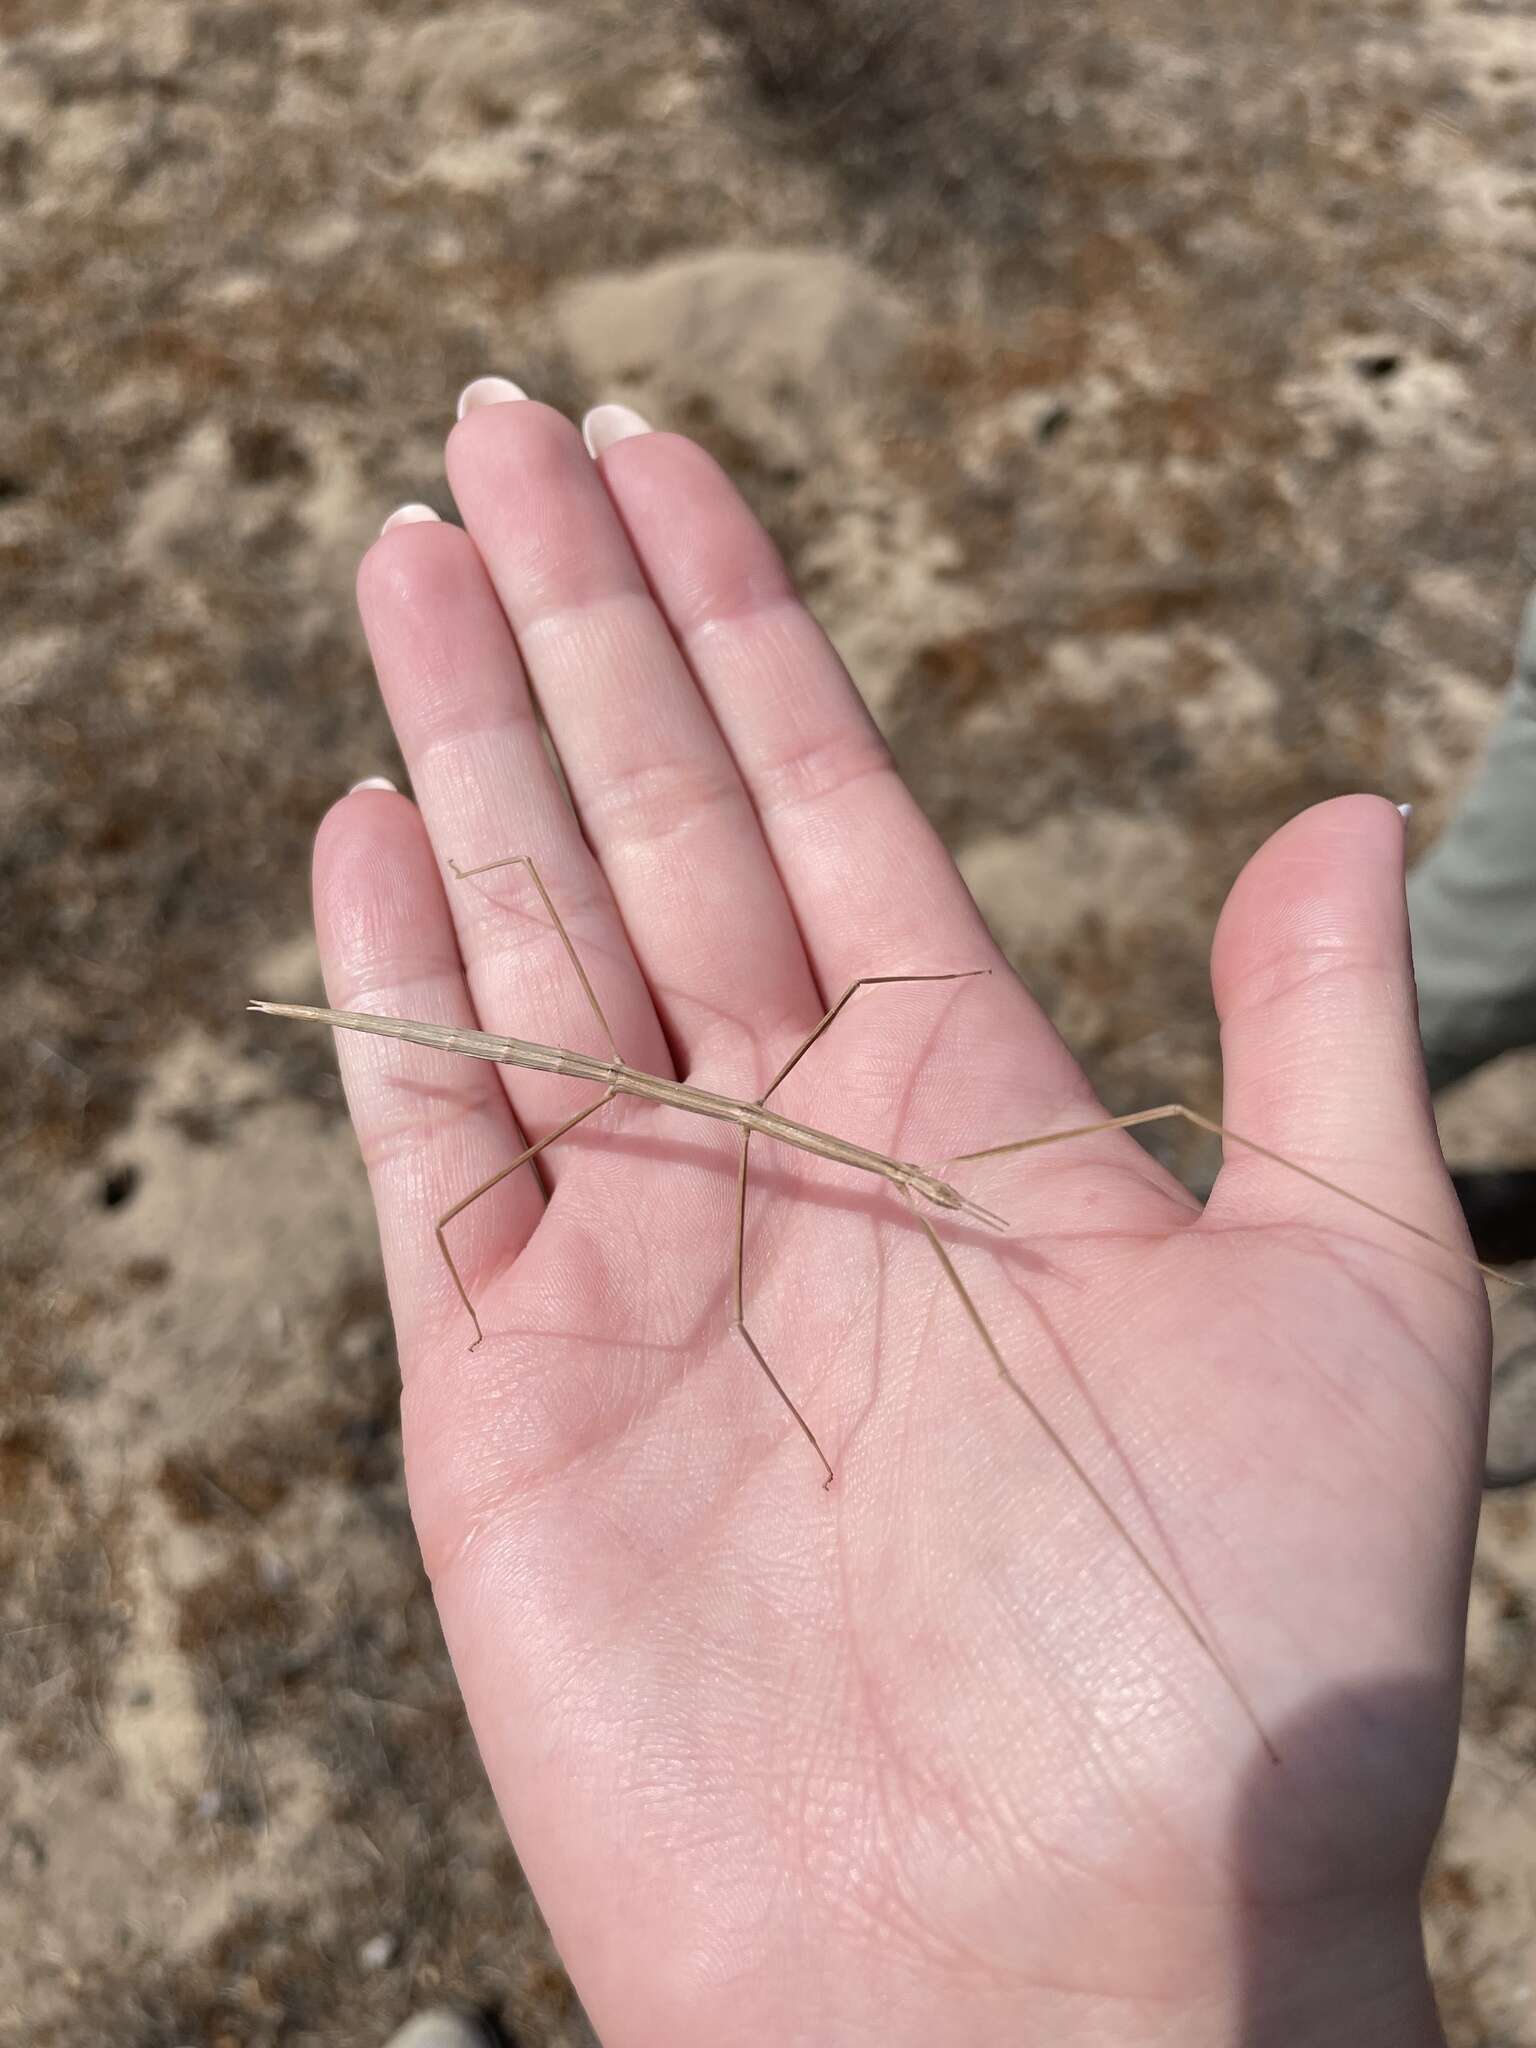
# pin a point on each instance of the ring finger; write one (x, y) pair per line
(460, 706)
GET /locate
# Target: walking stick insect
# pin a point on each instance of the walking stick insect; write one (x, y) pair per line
(614, 1076)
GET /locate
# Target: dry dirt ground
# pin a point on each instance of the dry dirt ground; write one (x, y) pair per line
(1141, 390)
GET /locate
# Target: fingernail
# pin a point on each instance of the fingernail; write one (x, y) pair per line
(1405, 812)
(408, 515)
(488, 391)
(374, 782)
(605, 424)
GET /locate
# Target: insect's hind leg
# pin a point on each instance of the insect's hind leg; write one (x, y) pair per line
(524, 1158)
(738, 1319)
(1080, 1472)
(524, 860)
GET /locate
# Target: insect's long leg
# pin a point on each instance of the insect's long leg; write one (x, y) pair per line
(864, 981)
(1205, 1123)
(1059, 1443)
(523, 1158)
(523, 860)
(738, 1317)
(738, 1322)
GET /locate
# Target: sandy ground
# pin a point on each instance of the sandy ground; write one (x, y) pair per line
(1142, 396)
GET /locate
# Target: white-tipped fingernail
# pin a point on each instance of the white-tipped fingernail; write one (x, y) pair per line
(605, 424)
(1405, 812)
(408, 515)
(374, 782)
(488, 391)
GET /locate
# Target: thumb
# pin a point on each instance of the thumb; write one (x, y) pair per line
(1313, 980)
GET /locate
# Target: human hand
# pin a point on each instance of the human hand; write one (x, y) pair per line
(926, 1757)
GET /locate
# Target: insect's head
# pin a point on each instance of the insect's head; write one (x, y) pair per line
(943, 1196)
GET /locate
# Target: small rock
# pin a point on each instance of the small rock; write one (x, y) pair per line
(378, 1953)
(440, 2027)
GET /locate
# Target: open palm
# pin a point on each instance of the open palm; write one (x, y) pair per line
(926, 1756)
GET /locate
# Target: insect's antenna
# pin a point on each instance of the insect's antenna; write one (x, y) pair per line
(1065, 1451)
(523, 860)
(969, 1208)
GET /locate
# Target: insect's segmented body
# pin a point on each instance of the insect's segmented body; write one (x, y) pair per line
(619, 1079)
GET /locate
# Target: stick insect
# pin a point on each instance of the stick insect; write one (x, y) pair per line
(614, 1076)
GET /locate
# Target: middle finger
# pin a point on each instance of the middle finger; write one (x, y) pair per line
(654, 784)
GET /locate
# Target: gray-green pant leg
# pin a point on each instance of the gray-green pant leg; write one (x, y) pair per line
(1472, 900)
